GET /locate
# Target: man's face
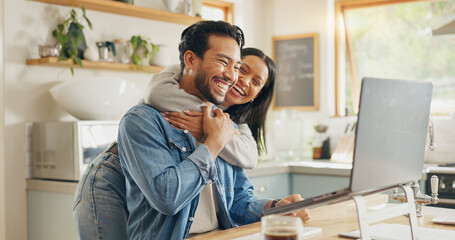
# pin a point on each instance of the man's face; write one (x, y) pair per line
(217, 72)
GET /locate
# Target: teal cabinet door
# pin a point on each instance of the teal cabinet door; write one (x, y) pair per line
(314, 185)
(271, 186)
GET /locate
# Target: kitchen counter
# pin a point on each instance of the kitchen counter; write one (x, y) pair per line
(341, 217)
(313, 167)
(264, 168)
(319, 167)
(55, 186)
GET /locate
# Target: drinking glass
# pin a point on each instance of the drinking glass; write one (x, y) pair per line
(277, 227)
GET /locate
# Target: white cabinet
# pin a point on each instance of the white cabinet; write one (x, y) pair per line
(50, 216)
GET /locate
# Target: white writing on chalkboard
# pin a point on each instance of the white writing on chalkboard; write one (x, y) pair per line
(294, 59)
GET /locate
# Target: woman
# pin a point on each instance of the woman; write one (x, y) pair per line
(100, 209)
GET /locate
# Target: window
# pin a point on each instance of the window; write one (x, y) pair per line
(217, 10)
(393, 39)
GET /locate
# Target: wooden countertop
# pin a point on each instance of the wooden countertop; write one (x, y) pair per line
(341, 217)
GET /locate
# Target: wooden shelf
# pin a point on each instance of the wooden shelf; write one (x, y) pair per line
(54, 62)
(121, 8)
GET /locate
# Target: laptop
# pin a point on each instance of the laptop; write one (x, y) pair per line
(390, 140)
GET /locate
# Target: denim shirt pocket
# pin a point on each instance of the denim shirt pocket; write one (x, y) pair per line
(180, 147)
(80, 186)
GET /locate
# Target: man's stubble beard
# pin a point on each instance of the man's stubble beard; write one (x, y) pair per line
(204, 88)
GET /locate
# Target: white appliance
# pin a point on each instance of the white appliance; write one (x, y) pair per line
(63, 150)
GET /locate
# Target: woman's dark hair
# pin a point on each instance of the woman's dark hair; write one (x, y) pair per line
(196, 37)
(254, 113)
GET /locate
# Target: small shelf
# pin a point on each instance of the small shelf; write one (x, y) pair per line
(53, 61)
(121, 8)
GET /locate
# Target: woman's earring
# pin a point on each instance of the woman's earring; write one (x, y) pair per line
(189, 70)
(251, 100)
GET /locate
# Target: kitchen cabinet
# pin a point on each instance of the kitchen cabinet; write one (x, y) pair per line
(313, 185)
(50, 216)
(50, 210)
(282, 185)
(272, 186)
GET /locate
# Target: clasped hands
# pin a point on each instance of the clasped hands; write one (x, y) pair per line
(191, 121)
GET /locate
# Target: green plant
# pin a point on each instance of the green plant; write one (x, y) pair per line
(148, 49)
(69, 34)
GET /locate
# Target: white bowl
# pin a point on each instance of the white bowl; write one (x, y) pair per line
(99, 98)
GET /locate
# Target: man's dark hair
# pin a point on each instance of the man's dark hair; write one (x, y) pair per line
(254, 113)
(196, 37)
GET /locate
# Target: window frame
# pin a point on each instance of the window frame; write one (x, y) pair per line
(340, 7)
(226, 7)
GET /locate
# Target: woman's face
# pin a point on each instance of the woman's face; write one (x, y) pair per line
(253, 75)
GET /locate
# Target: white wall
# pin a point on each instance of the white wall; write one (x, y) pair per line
(25, 88)
(290, 17)
(2, 139)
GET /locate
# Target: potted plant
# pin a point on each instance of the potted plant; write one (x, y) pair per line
(143, 50)
(71, 37)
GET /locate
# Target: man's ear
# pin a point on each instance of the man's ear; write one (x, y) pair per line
(191, 60)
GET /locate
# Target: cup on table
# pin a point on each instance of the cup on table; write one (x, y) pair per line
(277, 227)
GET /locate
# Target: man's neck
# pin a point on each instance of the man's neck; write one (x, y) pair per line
(188, 84)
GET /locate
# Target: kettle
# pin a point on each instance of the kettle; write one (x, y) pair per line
(106, 51)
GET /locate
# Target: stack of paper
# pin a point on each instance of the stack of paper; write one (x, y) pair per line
(449, 220)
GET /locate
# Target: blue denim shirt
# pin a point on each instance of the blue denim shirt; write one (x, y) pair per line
(165, 171)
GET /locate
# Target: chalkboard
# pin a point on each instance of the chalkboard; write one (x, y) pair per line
(297, 79)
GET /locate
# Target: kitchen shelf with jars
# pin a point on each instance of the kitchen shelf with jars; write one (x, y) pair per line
(114, 7)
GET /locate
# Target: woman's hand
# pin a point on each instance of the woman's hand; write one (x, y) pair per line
(189, 120)
(303, 214)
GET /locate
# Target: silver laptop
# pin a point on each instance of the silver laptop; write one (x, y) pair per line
(390, 140)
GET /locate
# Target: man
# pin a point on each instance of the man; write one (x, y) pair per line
(176, 186)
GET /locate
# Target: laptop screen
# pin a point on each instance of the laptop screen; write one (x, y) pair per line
(391, 133)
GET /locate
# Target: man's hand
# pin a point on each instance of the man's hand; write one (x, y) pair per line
(218, 129)
(303, 214)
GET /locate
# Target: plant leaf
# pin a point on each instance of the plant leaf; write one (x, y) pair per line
(88, 22)
(62, 38)
(73, 42)
(72, 71)
(78, 61)
(136, 59)
(80, 26)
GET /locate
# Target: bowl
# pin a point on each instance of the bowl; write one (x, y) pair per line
(99, 98)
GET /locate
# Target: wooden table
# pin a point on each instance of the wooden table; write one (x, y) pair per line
(341, 217)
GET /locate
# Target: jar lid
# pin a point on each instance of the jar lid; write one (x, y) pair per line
(119, 40)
